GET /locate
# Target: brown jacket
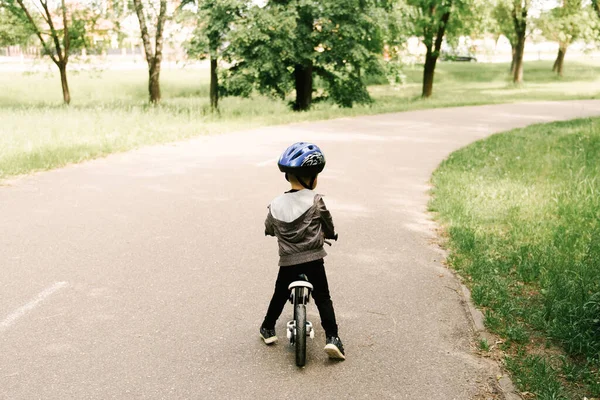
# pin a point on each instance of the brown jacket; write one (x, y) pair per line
(301, 222)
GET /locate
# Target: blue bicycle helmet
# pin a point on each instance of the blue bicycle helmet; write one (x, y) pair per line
(302, 159)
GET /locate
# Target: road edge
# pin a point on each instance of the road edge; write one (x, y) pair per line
(503, 381)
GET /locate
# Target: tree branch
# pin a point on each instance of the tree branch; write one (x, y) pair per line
(66, 38)
(37, 30)
(139, 10)
(41, 13)
(441, 31)
(54, 34)
(162, 16)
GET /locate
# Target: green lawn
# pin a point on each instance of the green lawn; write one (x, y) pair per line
(522, 213)
(109, 111)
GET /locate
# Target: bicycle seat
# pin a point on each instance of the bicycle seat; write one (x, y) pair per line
(296, 284)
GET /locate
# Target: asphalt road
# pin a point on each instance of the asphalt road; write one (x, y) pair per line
(146, 275)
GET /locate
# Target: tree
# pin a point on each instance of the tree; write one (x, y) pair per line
(515, 22)
(214, 23)
(565, 24)
(282, 47)
(432, 20)
(512, 17)
(153, 53)
(46, 29)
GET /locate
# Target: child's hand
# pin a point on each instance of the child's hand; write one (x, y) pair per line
(332, 237)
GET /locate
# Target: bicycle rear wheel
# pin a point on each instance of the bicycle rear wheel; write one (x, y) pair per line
(300, 335)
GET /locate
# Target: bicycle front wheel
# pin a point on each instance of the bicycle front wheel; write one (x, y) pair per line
(300, 335)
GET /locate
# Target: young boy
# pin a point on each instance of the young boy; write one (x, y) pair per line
(301, 223)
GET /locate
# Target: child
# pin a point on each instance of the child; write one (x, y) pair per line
(301, 223)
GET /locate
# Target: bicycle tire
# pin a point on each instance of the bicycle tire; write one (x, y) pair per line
(300, 335)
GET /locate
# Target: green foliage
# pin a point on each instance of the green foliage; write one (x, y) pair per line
(214, 20)
(197, 46)
(569, 23)
(347, 89)
(263, 51)
(350, 43)
(469, 18)
(13, 28)
(395, 27)
(84, 25)
(394, 73)
(504, 24)
(427, 18)
(16, 28)
(78, 33)
(339, 39)
(504, 13)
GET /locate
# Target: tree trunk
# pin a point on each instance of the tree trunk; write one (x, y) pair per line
(519, 16)
(428, 73)
(304, 86)
(560, 59)
(154, 82)
(518, 70)
(514, 58)
(62, 67)
(432, 55)
(214, 85)
(153, 56)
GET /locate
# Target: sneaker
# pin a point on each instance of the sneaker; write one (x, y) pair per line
(268, 335)
(334, 348)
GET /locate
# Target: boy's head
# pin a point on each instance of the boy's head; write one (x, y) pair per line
(302, 162)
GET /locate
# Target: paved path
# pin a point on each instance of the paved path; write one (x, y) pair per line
(146, 274)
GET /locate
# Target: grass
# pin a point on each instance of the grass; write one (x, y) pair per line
(484, 345)
(109, 112)
(522, 212)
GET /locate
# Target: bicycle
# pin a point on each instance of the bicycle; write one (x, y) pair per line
(299, 328)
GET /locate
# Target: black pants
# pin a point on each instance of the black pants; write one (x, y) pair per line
(315, 271)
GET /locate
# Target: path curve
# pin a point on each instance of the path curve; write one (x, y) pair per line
(146, 274)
